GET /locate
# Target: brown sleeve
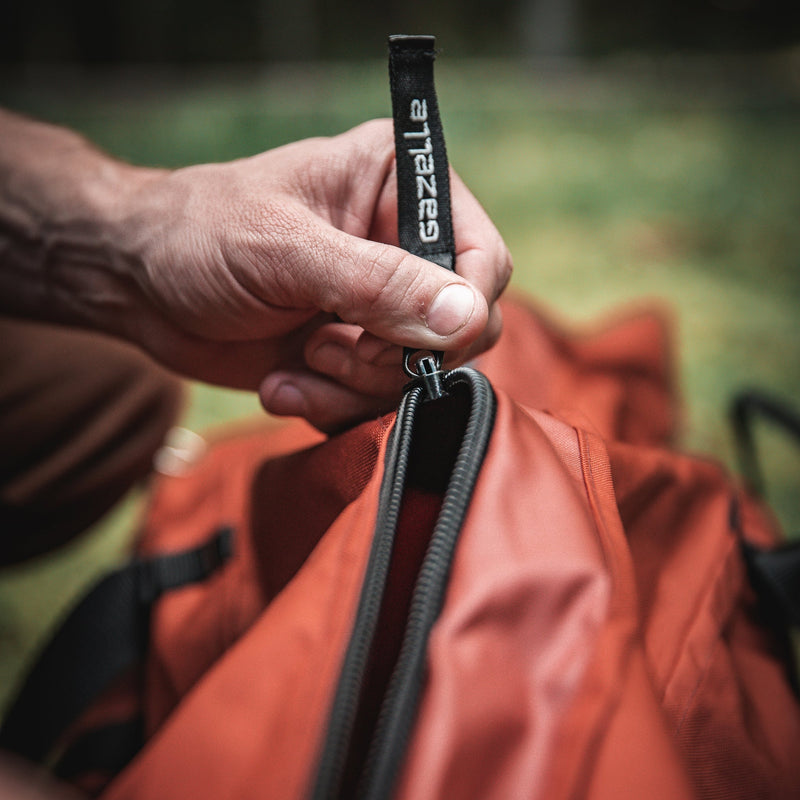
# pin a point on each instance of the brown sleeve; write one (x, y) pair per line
(81, 416)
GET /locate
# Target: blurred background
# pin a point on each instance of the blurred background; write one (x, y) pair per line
(627, 151)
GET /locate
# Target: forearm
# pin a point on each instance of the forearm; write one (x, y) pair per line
(60, 201)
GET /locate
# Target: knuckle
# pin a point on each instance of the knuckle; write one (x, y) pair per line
(370, 150)
(266, 253)
(378, 132)
(390, 277)
(505, 266)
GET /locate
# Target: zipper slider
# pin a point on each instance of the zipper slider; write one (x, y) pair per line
(427, 370)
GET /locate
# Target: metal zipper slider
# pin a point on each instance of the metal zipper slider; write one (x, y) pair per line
(427, 370)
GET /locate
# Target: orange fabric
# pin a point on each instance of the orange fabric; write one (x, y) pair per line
(598, 638)
(717, 671)
(283, 487)
(250, 727)
(618, 376)
(541, 591)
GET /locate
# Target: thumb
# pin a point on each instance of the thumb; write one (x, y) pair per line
(396, 296)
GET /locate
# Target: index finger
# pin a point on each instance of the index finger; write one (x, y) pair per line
(482, 257)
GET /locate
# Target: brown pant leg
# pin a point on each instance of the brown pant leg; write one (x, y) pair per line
(81, 416)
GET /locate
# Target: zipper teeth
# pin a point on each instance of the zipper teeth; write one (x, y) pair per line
(342, 716)
(399, 707)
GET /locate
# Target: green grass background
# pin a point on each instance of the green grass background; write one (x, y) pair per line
(608, 189)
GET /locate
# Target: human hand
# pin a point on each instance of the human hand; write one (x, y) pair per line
(278, 273)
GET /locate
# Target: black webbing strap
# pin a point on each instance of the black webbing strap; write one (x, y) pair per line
(103, 637)
(775, 576)
(775, 572)
(746, 407)
(423, 182)
(105, 750)
(424, 216)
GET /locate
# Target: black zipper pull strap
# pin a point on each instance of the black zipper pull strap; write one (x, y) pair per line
(425, 224)
(424, 216)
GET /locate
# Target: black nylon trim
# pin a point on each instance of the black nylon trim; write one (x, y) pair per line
(775, 575)
(746, 409)
(106, 750)
(105, 635)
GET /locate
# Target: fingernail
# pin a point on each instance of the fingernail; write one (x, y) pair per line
(329, 358)
(451, 309)
(286, 400)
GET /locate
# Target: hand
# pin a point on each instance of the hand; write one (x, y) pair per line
(278, 272)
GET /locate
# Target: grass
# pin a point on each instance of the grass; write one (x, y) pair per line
(607, 191)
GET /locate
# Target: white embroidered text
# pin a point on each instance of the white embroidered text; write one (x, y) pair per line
(421, 150)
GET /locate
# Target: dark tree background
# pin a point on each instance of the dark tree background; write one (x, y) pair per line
(190, 31)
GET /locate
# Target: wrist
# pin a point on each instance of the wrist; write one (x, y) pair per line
(94, 277)
(60, 204)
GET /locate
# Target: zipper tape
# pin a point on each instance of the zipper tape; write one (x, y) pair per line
(330, 769)
(389, 738)
(401, 701)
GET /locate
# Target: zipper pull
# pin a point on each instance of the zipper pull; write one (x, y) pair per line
(424, 215)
